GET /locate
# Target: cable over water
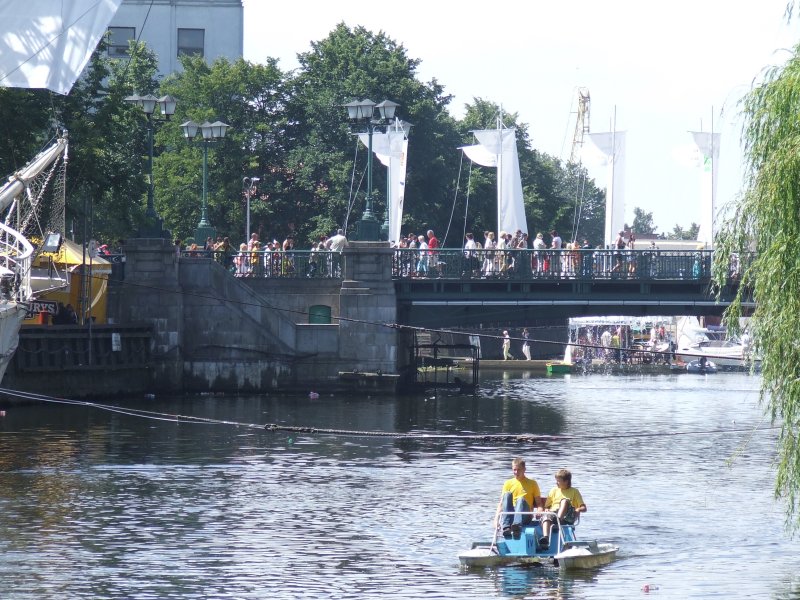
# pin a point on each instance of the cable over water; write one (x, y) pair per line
(505, 438)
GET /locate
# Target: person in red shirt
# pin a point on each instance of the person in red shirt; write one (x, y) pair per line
(433, 243)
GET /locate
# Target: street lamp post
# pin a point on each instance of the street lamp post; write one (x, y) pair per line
(363, 112)
(210, 133)
(249, 185)
(154, 225)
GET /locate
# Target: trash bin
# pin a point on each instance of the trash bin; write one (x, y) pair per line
(319, 314)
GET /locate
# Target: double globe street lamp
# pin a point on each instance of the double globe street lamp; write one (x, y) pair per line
(363, 112)
(207, 134)
(154, 225)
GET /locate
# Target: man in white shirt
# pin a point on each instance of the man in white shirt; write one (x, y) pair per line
(338, 242)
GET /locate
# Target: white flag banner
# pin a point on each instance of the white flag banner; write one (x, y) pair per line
(498, 148)
(707, 145)
(688, 156)
(47, 43)
(390, 149)
(480, 155)
(611, 145)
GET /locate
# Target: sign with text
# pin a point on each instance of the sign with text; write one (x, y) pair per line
(40, 306)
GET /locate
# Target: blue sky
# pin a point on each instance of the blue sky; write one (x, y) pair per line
(660, 67)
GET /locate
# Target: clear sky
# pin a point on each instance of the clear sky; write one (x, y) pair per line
(661, 67)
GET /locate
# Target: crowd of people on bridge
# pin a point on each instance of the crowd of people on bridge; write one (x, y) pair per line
(495, 255)
(255, 258)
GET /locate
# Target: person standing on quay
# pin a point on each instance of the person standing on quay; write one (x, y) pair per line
(526, 346)
(507, 346)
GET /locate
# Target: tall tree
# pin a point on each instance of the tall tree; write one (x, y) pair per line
(356, 63)
(643, 222)
(764, 220)
(679, 233)
(251, 98)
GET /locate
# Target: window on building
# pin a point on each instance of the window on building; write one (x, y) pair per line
(191, 41)
(118, 38)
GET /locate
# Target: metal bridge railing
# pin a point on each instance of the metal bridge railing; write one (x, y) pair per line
(552, 264)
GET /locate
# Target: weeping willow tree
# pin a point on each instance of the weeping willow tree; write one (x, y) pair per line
(764, 226)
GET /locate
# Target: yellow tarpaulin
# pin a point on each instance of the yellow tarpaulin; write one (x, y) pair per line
(69, 259)
(69, 254)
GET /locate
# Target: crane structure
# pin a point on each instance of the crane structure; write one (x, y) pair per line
(581, 125)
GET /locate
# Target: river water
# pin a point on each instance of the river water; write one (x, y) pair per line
(675, 469)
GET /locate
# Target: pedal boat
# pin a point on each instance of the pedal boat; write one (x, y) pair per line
(565, 550)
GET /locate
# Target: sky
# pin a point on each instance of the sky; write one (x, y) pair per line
(656, 69)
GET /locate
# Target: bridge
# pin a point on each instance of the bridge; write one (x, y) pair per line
(228, 321)
(453, 287)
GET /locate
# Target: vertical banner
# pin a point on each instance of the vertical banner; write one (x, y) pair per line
(391, 149)
(708, 148)
(611, 146)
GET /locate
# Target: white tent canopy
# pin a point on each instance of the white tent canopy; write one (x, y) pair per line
(47, 43)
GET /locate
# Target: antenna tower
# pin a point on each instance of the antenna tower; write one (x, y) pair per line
(581, 124)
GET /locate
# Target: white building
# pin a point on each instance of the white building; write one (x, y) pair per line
(171, 28)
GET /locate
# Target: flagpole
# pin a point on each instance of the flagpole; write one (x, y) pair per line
(713, 187)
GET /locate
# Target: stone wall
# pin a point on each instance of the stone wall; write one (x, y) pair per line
(216, 332)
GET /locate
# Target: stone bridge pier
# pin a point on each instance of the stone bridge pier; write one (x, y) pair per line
(213, 332)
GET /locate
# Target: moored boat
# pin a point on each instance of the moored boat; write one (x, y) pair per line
(701, 366)
(556, 367)
(696, 342)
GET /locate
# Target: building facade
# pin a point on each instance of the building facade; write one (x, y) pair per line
(209, 28)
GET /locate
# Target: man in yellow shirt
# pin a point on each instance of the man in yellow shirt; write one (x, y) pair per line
(563, 500)
(520, 495)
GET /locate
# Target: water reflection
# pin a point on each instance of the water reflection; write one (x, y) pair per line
(97, 504)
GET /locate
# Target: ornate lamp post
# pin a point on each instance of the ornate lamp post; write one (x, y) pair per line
(363, 112)
(209, 133)
(154, 225)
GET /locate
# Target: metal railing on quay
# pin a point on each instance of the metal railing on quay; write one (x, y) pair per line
(293, 264)
(527, 265)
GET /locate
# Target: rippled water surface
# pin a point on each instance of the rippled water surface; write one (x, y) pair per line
(97, 504)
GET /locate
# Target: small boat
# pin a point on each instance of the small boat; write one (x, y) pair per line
(701, 366)
(559, 367)
(564, 551)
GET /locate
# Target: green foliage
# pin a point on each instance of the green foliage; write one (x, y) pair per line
(765, 220)
(643, 222)
(291, 131)
(679, 233)
(356, 63)
(251, 99)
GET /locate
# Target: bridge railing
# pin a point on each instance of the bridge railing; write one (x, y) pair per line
(278, 264)
(552, 264)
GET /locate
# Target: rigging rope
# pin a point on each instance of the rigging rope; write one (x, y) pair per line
(466, 202)
(512, 438)
(351, 199)
(453, 210)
